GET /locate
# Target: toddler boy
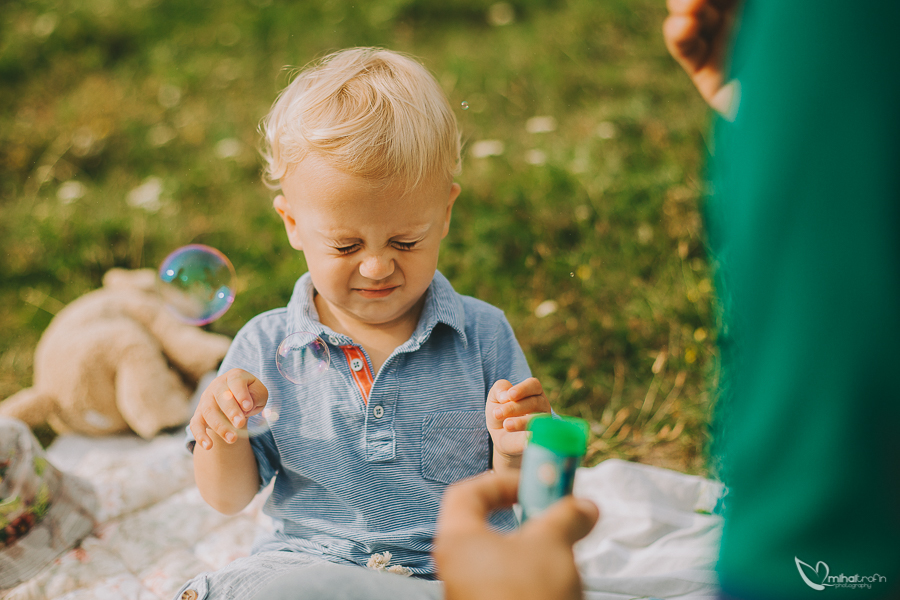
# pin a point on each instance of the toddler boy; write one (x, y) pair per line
(364, 146)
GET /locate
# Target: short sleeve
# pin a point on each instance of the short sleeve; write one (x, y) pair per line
(266, 454)
(503, 358)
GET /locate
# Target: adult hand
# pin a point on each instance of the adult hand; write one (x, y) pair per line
(535, 562)
(697, 33)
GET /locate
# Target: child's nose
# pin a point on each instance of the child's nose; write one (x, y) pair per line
(376, 267)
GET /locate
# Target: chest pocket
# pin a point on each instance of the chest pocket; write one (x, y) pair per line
(454, 445)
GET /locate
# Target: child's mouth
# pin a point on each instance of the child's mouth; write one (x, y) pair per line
(376, 293)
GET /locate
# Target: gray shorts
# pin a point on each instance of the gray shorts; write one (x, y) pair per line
(279, 575)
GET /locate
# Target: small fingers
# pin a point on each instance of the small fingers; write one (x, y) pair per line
(516, 423)
(217, 421)
(530, 387)
(198, 430)
(237, 384)
(499, 390)
(527, 406)
(249, 393)
(259, 394)
(222, 406)
(228, 404)
(240, 395)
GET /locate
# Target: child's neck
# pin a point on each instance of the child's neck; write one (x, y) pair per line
(378, 340)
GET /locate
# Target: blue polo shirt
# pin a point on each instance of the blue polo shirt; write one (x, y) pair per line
(361, 462)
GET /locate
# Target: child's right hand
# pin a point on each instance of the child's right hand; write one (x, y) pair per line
(225, 406)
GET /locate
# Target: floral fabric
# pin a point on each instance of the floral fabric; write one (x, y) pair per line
(43, 512)
(155, 531)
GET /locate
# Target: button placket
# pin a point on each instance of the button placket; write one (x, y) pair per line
(380, 434)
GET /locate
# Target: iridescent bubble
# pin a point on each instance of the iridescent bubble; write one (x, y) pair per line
(197, 283)
(465, 105)
(302, 357)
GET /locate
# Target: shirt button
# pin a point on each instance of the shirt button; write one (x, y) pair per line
(189, 595)
(335, 340)
(378, 412)
(356, 364)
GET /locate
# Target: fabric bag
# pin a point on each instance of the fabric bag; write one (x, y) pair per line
(43, 512)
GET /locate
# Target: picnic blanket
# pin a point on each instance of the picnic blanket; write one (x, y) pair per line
(656, 538)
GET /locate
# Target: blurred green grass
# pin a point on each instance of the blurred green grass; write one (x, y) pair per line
(584, 228)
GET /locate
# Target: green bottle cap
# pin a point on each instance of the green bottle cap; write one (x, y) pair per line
(563, 435)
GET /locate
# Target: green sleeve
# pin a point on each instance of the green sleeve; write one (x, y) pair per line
(804, 224)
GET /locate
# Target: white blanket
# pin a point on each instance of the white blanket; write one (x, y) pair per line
(155, 532)
(656, 537)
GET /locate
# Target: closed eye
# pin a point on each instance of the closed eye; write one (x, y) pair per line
(347, 249)
(404, 245)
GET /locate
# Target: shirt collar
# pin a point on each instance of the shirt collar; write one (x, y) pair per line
(442, 305)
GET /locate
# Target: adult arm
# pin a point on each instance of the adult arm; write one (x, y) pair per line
(806, 227)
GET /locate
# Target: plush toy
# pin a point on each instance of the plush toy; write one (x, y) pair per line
(114, 359)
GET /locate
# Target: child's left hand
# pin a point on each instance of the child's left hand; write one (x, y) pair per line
(508, 410)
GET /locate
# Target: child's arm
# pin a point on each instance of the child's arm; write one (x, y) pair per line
(224, 465)
(507, 410)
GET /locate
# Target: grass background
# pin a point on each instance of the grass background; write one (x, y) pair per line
(586, 232)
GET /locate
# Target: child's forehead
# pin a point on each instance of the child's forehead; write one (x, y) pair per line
(342, 206)
(316, 181)
(351, 222)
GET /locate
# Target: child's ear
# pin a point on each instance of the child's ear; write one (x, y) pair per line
(454, 194)
(284, 210)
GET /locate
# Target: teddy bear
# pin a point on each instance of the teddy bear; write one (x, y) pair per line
(116, 359)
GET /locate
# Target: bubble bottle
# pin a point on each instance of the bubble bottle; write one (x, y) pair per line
(554, 451)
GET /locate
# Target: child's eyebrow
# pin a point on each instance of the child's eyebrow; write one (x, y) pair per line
(339, 236)
(414, 232)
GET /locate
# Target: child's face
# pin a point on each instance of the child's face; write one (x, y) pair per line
(371, 252)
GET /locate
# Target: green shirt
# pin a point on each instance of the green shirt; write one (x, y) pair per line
(804, 227)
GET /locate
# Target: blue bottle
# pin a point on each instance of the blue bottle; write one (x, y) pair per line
(554, 451)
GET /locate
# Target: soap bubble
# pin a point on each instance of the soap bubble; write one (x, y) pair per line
(197, 283)
(465, 105)
(302, 357)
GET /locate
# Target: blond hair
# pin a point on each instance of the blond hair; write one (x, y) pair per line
(370, 112)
